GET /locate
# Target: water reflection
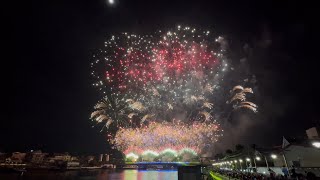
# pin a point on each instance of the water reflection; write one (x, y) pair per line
(96, 175)
(139, 175)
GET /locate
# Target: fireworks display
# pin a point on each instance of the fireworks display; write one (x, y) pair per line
(160, 136)
(164, 90)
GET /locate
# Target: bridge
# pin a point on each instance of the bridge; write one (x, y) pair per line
(156, 165)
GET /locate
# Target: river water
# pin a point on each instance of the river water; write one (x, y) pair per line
(95, 175)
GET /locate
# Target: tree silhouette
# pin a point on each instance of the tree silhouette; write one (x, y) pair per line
(239, 147)
(228, 151)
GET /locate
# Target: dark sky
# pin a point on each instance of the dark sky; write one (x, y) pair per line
(50, 43)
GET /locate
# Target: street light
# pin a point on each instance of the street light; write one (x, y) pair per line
(247, 160)
(240, 162)
(258, 158)
(273, 156)
(316, 144)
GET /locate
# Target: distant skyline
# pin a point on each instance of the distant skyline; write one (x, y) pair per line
(51, 49)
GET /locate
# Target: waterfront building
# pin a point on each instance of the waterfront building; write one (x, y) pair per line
(17, 157)
(3, 157)
(61, 157)
(38, 157)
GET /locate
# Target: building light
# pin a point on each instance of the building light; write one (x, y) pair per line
(316, 144)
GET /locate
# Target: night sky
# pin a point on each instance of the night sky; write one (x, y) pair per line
(50, 44)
